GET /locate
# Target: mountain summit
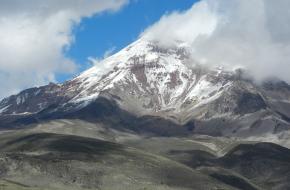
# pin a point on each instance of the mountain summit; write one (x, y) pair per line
(145, 79)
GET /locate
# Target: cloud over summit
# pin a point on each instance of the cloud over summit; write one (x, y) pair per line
(254, 35)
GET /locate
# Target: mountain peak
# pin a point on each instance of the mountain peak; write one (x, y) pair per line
(158, 78)
(147, 79)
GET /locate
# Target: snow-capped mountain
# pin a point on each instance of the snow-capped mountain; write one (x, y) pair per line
(146, 79)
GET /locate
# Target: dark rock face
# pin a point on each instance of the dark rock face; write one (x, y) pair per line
(190, 126)
(249, 103)
(233, 181)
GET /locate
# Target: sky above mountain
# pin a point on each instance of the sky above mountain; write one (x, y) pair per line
(51, 41)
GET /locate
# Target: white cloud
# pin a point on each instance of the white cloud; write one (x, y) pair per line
(34, 35)
(254, 35)
(183, 26)
(97, 61)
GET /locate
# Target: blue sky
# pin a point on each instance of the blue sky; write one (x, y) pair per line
(105, 31)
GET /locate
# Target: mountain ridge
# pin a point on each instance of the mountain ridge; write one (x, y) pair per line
(147, 80)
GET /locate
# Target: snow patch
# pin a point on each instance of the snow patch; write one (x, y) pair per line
(4, 109)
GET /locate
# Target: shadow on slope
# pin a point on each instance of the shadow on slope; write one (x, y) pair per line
(108, 113)
(46, 142)
(264, 164)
